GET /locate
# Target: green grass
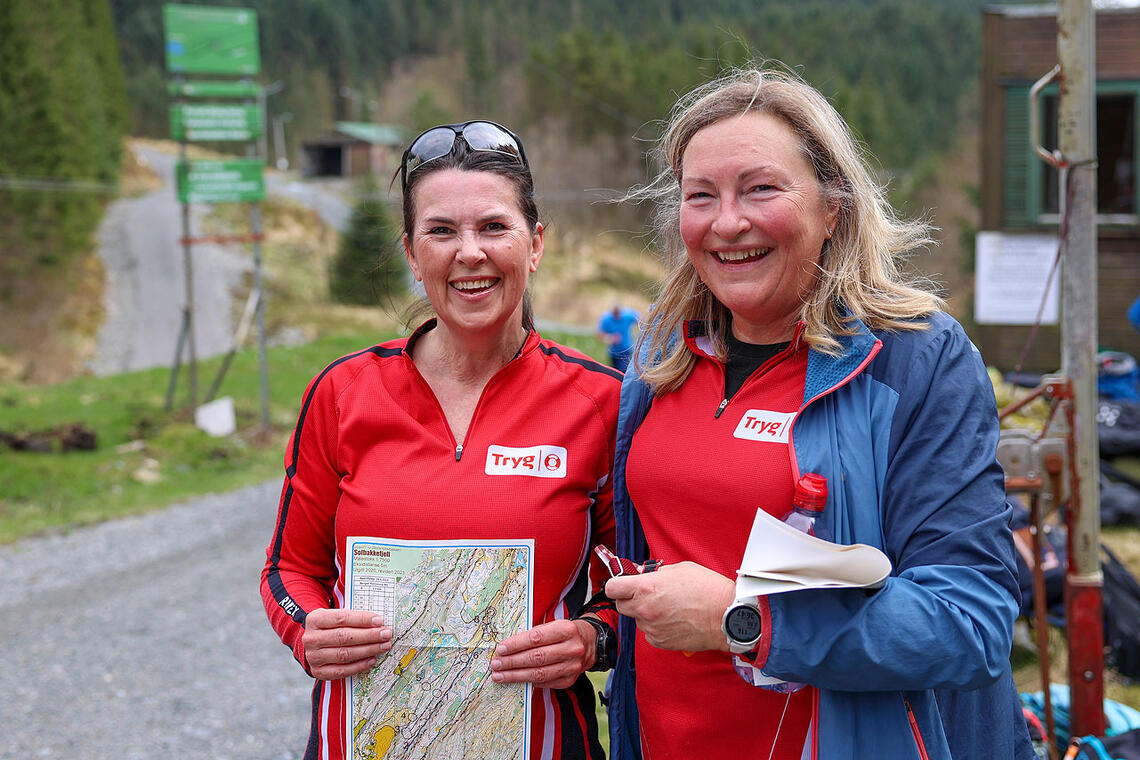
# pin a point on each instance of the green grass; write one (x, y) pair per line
(56, 491)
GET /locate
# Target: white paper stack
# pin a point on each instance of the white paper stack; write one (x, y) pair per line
(780, 558)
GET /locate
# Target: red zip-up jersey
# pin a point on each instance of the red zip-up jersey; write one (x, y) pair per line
(373, 455)
(697, 494)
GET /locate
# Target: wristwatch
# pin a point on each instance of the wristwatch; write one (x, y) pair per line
(605, 647)
(742, 625)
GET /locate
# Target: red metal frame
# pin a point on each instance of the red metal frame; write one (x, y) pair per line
(1084, 614)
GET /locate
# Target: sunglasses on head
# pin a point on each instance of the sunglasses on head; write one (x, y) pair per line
(438, 142)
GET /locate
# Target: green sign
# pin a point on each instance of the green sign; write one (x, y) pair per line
(202, 122)
(215, 89)
(241, 179)
(203, 39)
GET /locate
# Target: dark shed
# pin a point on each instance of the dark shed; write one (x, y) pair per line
(353, 149)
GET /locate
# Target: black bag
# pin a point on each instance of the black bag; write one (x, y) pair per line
(1124, 746)
(1118, 428)
(1121, 617)
(1119, 496)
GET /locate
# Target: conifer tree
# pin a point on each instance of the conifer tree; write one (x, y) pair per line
(368, 266)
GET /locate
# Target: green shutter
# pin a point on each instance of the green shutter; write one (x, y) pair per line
(1016, 152)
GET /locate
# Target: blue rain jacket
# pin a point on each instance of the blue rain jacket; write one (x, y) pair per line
(904, 426)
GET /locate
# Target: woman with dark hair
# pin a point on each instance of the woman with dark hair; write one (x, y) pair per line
(432, 438)
(787, 341)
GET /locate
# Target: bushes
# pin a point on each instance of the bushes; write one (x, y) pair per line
(369, 265)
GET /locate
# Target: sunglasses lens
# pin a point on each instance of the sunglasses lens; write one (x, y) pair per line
(483, 135)
(439, 141)
(430, 146)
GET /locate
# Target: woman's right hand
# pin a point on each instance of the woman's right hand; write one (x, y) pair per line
(341, 643)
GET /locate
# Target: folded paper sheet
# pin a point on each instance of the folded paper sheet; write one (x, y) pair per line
(780, 558)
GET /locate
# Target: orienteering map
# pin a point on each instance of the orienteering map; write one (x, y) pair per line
(450, 603)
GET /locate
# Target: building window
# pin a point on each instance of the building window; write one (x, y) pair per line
(1116, 155)
(1031, 194)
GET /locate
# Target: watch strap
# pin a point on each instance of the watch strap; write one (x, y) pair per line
(605, 644)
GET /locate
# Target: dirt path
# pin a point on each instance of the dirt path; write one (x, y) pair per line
(145, 285)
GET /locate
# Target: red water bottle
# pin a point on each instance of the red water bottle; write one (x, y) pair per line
(808, 502)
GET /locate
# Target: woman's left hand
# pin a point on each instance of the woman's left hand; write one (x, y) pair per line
(677, 607)
(551, 655)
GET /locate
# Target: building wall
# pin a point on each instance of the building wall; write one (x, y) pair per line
(1016, 51)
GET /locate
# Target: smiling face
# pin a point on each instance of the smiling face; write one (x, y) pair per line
(473, 250)
(753, 220)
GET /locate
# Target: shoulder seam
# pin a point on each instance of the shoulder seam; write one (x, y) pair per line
(588, 364)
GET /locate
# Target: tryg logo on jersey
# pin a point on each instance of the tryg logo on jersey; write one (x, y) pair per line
(763, 425)
(534, 461)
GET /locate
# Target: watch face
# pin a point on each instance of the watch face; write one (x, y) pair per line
(743, 624)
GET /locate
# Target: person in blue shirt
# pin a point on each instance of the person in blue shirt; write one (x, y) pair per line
(1134, 313)
(615, 329)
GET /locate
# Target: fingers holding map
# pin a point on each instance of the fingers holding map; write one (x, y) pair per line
(341, 643)
(551, 655)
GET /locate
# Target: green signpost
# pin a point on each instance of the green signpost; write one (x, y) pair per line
(232, 181)
(217, 41)
(204, 122)
(202, 39)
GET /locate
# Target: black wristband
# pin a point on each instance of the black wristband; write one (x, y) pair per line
(605, 645)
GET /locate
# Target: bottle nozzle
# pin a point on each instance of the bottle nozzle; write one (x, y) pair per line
(811, 492)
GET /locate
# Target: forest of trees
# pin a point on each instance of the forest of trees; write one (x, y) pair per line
(896, 68)
(63, 115)
(77, 75)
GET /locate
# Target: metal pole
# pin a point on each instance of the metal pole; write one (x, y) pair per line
(263, 94)
(262, 103)
(1077, 142)
(188, 309)
(262, 358)
(170, 386)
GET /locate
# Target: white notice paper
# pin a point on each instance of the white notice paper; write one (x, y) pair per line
(1010, 273)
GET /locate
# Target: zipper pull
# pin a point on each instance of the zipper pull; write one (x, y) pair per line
(720, 409)
(458, 451)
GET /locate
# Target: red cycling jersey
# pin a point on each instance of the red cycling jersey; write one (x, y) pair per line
(698, 469)
(373, 455)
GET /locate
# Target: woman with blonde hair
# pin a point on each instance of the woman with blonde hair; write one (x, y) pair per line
(787, 341)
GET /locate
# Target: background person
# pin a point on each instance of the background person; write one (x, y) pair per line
(615, 329)
(782, 302)
(395, 441)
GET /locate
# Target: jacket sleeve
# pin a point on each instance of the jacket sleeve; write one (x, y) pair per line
(300, 569)
(945, 616)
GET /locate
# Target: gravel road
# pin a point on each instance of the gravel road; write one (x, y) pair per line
(145, 637)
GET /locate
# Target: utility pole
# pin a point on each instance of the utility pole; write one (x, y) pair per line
(262, 103)
(1076, 34)
(279, 146)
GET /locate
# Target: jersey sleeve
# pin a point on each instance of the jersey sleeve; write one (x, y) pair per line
(300, 567)
(603, 528)
(945, 617)
(602, 516)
